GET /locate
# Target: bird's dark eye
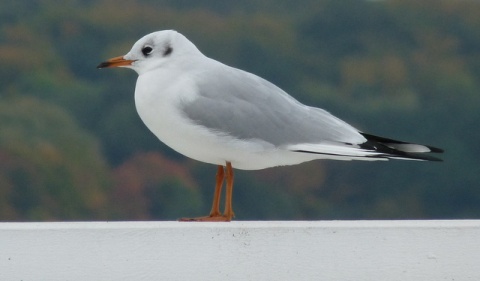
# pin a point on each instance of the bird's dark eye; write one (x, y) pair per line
(147, 50)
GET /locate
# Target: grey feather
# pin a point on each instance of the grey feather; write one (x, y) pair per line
(245, 106)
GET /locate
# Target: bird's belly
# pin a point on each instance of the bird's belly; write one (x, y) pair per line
(199, 143)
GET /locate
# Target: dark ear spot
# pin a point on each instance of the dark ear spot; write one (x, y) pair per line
(168, 51)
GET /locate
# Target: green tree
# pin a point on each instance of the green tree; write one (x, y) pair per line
(51, 169)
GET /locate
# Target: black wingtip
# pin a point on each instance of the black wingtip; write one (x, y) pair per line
(423, 157)
(435, 149)
(393, 149)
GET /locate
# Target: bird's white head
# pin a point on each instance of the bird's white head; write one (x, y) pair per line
(153, 51)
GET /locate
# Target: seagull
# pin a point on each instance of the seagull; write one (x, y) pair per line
(228, 117)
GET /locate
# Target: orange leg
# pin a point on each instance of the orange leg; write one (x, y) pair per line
(215, 214)
(228, 214)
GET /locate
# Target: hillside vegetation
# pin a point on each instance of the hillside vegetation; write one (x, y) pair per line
(73, 147)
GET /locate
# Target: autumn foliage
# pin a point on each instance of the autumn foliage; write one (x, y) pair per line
(72, 146)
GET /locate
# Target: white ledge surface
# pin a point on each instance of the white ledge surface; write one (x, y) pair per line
(241, 250)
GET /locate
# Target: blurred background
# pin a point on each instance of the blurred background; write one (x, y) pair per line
(72, 146)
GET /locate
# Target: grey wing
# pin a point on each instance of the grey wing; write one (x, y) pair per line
(245, 106)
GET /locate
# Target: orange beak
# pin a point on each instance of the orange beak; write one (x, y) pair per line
(115, 62)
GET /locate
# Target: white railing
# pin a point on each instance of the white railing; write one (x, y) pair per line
(296, 250)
